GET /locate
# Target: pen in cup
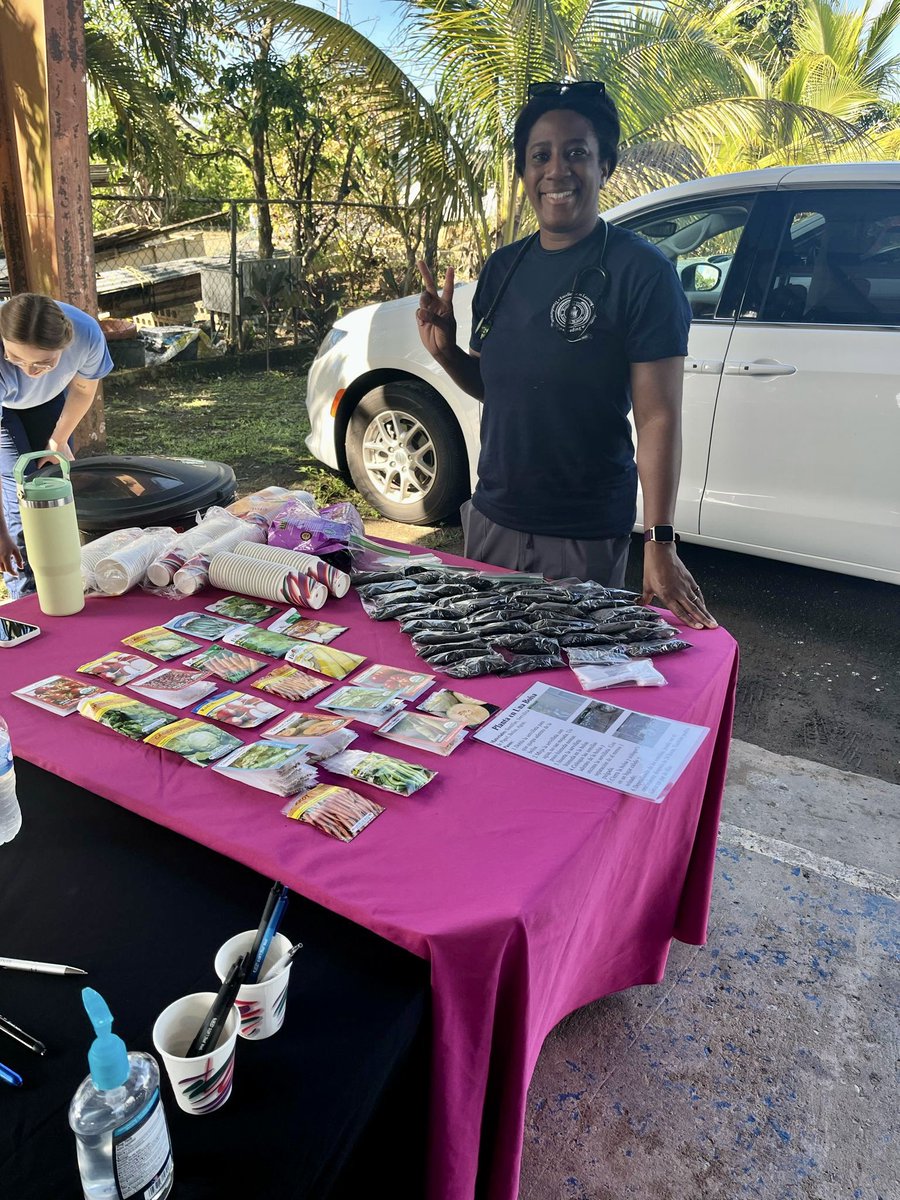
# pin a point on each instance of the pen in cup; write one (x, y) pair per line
(19, 1035)
(282, 962)
(269, 933)
(275, 894)
(8, 1075)
(214, 1022)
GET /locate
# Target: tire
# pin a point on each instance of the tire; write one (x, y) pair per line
(406, 453)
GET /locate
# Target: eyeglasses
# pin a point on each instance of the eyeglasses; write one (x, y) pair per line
(580, 87)
(37, 368)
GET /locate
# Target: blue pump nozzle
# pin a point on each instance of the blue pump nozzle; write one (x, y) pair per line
(107, 1057)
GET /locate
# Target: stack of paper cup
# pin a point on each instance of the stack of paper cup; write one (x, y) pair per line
(125, 568)
(265, 580)
(337, 581)
(194, 575)
(95, 552)
(189, 543)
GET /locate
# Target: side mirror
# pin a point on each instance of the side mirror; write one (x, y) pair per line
(701, 277)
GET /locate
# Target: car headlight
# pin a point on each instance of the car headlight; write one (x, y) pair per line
(331, 339)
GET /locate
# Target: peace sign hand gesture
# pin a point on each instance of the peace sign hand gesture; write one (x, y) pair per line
(437, 324)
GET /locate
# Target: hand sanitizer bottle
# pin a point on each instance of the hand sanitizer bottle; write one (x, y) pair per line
(117, 1116)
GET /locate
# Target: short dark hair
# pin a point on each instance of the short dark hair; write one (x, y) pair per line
(35, 320)
(599, 110)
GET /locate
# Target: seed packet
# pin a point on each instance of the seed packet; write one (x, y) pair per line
(243, 609)
(336, 664)
(634, 672)
(117, 667)
(439, 735)
(125, 715)
(57, 693)
(295, 625)
(406, 684)
(262, 641)
(381, 770)
(160, 642)
(237, 708)
(196, 741)
(370, 705)
(177, 688)
(283, 770)
(319, 736)
(201, 625)
(225, 663)
(290, 684)
(465, 709)
(337, 811)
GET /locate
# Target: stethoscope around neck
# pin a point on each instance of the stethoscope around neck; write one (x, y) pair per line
(598, 269)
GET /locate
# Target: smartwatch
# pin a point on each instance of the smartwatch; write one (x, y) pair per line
(661, 533)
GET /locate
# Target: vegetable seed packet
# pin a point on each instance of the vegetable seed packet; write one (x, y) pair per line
(439, 735)
(57, 693)
(262, 641)
(290, 684)
(178, 688)
(241, 608)
(465, 709)
(225, 663)
(408, 684)
(125, 715)
(295, 625)
(319, 736)
(370, 705)
(283, 770)
(201, 625)
(196, 741)
(392, 774)
(336, 664)
(160, 642)
(333, 810)
(237, 708)
(117, 667)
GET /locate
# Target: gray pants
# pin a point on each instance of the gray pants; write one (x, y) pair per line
(600, 559)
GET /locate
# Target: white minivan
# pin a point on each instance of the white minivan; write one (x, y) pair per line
(792, 388)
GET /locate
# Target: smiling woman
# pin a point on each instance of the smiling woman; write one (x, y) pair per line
(571, 328)
(54, 355)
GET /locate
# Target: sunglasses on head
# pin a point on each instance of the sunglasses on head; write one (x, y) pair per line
(583, 87)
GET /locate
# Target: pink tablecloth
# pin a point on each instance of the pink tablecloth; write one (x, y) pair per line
(530, 892)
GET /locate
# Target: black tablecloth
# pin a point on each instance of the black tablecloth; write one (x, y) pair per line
(332, 1105)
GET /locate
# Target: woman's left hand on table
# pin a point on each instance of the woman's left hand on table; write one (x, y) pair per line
(668, 580)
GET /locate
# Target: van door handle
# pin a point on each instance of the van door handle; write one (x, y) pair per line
(703, 366)
(760, 366)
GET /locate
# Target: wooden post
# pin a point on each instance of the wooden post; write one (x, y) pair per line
(45, 199)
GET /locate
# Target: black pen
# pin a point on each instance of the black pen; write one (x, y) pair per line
(275, 893)
(214, 1022)
(13, 1031)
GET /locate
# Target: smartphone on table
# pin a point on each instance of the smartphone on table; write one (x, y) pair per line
(14, 632)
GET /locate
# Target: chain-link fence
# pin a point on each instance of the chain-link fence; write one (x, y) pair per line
(248, 274)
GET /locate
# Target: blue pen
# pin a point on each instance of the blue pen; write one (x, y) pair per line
(8, 1075)
(271, 930)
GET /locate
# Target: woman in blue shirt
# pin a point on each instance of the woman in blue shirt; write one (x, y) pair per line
(53, 357)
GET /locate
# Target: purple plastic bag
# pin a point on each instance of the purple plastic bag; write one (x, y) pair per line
(298, 526)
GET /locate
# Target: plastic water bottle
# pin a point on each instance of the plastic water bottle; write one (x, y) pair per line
(10, 813)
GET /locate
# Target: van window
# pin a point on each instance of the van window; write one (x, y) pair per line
(838, 262)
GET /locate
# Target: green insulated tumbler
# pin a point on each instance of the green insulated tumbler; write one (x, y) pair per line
(47, 507)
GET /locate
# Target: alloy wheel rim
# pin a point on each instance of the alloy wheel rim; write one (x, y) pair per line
(399, 457)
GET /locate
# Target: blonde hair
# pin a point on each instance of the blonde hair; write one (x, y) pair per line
(34, 320)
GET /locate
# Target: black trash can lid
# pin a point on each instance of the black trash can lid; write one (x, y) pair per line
(116, 491)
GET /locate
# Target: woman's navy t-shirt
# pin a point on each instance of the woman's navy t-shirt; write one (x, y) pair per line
(556, 451)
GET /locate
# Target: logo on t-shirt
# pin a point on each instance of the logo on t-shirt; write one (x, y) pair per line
(573, 313)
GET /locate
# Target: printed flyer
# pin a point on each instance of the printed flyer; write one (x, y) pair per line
(621, 749)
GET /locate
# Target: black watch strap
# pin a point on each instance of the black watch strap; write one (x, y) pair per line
(661, 533)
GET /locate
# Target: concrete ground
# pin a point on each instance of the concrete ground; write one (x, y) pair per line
(765, 1064)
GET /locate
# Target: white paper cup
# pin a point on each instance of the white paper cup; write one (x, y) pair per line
(261, 1005)
(201, 1084)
